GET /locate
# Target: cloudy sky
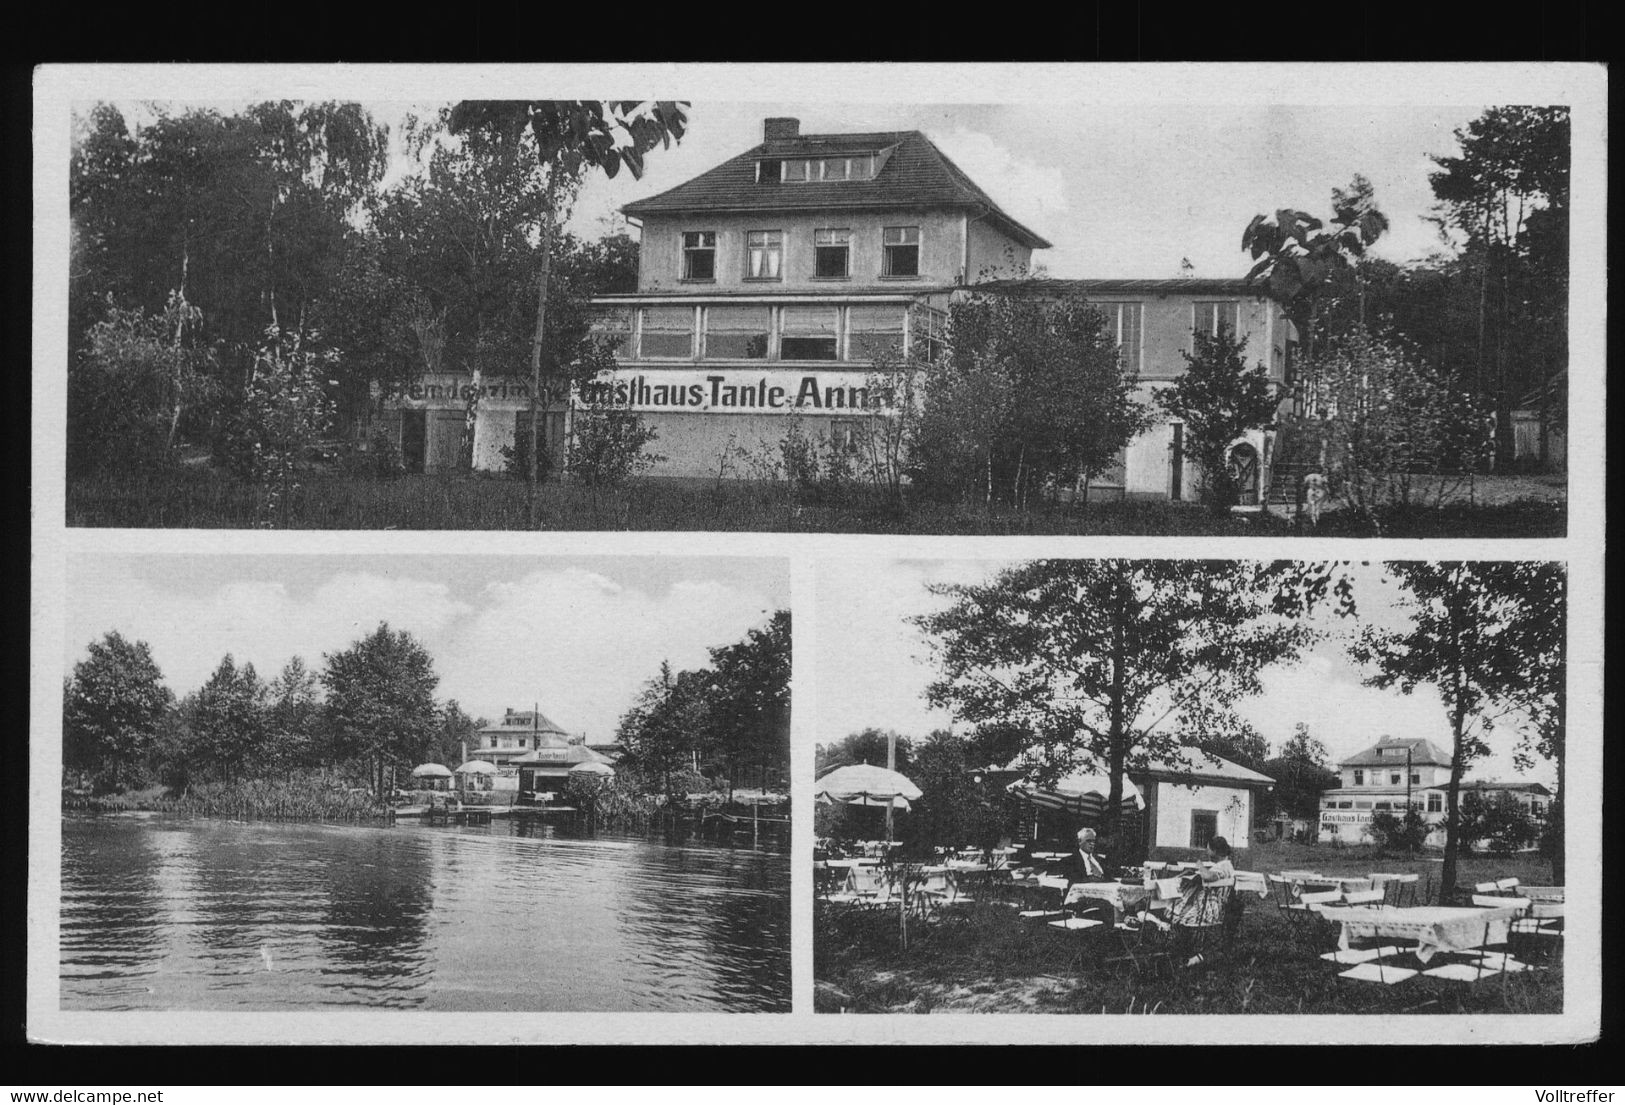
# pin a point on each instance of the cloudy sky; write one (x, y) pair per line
(578, 635)
(1121, 190)
(872, 666)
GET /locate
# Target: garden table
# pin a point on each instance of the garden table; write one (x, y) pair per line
(1434, 928)
(1252, 882)
(1541, 893)
(1307, 880)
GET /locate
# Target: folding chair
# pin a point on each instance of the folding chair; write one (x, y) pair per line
(1305, 922)
(1145, 939)
(1540, 931)
(1404, 887)
(1202, 940)
(1375, 970)
(1476, 965)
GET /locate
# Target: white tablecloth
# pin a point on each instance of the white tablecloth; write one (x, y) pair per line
(1434, 928)
(1122, 898)
(1252, 882)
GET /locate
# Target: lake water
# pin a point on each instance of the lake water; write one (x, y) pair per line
(172, 914)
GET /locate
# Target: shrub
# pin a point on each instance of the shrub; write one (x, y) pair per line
(1400, 834)
(607, 447)
(380, 459)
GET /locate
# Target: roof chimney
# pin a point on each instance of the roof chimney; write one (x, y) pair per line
(780, 128)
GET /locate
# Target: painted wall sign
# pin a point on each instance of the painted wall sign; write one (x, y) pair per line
(559, 755)
(734, 392)
(1344, 818)
(455, 389)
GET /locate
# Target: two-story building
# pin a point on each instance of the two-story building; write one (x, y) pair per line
(768, 285)
(518, 733)
(1533, 798)
(1384, 778)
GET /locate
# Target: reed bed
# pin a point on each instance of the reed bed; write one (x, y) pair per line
(253, 800)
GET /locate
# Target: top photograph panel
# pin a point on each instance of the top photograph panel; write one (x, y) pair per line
(1157, 319)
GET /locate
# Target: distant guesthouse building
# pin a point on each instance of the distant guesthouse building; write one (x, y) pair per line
(1382, 779)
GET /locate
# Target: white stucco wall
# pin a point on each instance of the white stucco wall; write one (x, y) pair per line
(1176, 802)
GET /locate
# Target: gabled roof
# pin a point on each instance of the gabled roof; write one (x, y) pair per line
(915, 174)
(1198, 766)
(1422, 752)
(1496, 784)
(1180, 285)
(1206, 767)
(521, 723)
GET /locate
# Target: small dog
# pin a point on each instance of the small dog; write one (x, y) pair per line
(1314, 494)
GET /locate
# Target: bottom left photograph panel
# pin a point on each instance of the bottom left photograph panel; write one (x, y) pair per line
(432, 783)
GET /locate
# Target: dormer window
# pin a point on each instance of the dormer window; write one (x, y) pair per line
(802, 170)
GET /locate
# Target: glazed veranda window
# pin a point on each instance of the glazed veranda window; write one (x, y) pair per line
(736, 332)
(875, 330)
(667, 332)
(808, 333)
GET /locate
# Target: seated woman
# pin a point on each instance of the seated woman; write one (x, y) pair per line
(1203, 899)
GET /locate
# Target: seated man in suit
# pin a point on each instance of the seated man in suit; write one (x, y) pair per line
(1081, 866)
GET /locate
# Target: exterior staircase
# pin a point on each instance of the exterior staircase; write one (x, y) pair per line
(1297, 453)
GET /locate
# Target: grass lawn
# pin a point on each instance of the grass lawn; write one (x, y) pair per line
(982, 957)
(202, 497)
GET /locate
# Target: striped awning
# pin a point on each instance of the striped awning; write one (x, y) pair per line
(1082, 794)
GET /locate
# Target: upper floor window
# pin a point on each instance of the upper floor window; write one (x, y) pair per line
(832, 250)
(764, 254)
(902, 251)
(1123, 322)
(1416, 778)
(1359, 777)
(1393, 778)
(1212, 316)
(700, 255)
(769, 172)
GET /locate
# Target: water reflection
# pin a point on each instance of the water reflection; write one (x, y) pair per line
(207, 915)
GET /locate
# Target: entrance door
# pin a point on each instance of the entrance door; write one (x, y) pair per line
(1244, 472)
(445, 453)
(1176, 491)
(414, 440)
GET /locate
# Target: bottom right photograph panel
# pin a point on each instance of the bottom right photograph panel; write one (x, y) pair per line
(1189, 786)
